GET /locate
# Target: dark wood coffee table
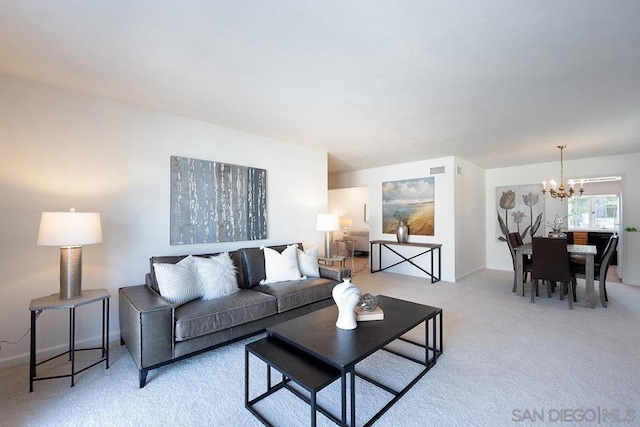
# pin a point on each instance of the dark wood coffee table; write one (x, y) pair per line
(316, 335)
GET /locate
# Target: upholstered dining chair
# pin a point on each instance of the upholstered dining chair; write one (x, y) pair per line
(513, 241)
(600, 268)
(551, 264)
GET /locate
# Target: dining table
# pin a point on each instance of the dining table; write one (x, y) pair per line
(587, 251)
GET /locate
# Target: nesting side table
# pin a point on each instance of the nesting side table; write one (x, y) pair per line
(53, 302)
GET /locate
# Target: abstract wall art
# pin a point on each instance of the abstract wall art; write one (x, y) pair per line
(216, 202)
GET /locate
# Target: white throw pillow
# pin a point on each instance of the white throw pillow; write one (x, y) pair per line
(308, 262)
(280, 267)
(179, 283)
(217, 276)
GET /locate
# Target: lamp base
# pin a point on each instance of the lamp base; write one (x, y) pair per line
(70, 272)
(328, 238)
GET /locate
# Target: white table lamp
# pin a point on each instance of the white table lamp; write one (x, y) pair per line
(328, 223)
(70, 231)
(345, 223)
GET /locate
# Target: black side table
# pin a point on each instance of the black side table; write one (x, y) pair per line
(53, 302)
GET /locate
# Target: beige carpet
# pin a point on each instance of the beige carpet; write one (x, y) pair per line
(506, 362)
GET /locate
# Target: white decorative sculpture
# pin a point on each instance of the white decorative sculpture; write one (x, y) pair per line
(346, 295)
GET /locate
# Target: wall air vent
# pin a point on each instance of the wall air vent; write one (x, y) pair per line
(436, 170)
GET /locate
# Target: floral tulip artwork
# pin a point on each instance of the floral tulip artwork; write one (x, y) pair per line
(519, 209)
(507, 201)
(531, 200)
(518, 217)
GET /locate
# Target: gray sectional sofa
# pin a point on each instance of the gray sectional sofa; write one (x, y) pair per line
(157, 333)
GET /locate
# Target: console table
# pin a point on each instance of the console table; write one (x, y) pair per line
(429, 248)
(53, 302)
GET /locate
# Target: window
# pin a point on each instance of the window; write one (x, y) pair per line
(593, 212)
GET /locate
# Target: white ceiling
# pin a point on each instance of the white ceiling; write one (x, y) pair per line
(496, 82)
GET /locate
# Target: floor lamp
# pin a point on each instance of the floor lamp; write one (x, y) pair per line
(70, 231)
(328, 223)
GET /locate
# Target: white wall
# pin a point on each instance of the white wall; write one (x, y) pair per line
(444, 207)
(601, 188)
(625, 165)
(63, 149)
(469, 218)
(349, 202)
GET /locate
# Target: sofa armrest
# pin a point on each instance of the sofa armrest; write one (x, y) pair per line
(146, 325)
(334, 273)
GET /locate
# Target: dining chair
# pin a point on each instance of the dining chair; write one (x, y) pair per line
(513, 241)
(551, 264)
(600, 268)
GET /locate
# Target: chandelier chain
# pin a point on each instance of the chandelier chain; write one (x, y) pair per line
(561, 147)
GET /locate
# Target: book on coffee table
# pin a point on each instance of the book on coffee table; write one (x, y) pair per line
(363, 315)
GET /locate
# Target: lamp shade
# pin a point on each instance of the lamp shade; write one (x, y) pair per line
(328, 222)
(345, 222)
(69, 228)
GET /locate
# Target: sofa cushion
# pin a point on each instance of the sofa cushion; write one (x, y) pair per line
(200, 317)
(296, 293)
(280, 266)
(217, 275)
(179, 283)
(236, 257)
(308, 262)
(161, 260)
(253, 263)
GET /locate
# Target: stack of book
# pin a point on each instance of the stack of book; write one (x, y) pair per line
(363, 315)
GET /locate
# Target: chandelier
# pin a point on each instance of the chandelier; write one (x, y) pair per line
(560, 193)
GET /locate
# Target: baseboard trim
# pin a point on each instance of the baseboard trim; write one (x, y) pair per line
(469, 273)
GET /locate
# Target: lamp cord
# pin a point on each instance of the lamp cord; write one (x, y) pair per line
(25, 334)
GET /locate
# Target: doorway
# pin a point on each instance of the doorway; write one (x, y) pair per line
(352, 206)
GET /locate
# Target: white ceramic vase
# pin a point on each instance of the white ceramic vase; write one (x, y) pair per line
(346, 295)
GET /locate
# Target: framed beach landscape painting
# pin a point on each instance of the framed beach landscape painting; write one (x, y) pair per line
(411, 201)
